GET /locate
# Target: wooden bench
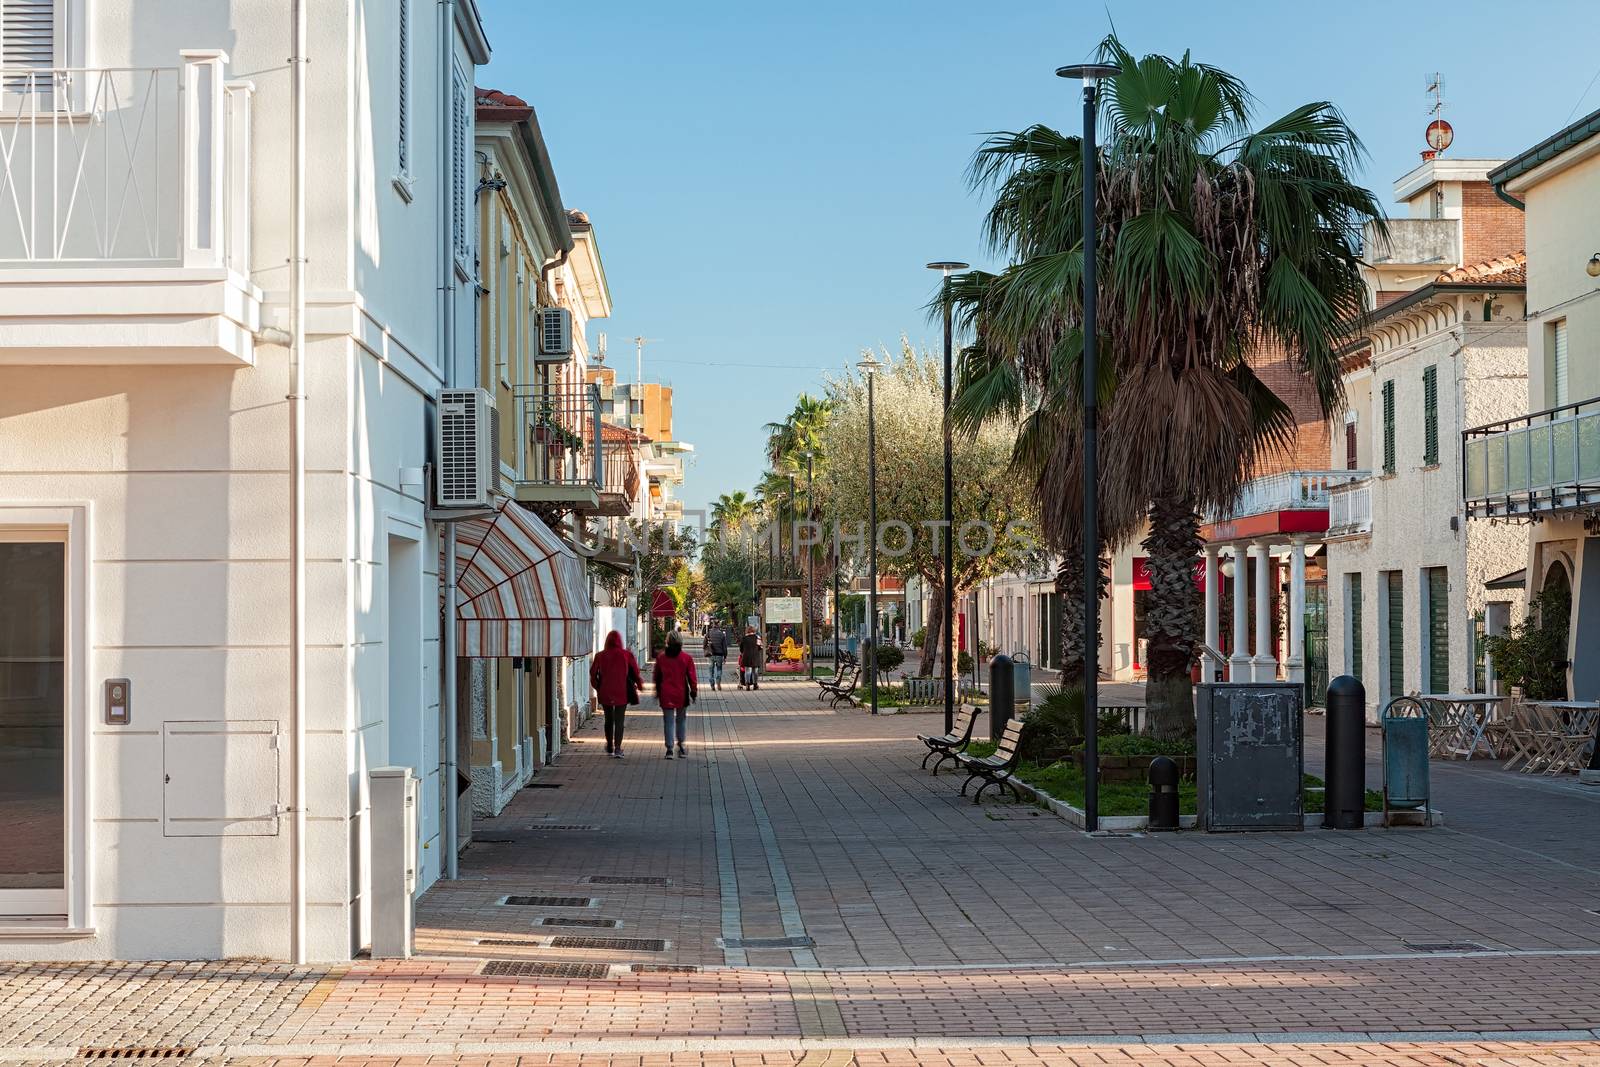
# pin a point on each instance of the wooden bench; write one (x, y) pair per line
(997, 769)
(844, 682)
(949, 746)
(846, 691)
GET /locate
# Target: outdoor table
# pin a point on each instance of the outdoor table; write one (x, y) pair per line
(1578, 716)
(1456, 722)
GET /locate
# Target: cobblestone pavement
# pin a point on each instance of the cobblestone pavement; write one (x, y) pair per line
(798, 892)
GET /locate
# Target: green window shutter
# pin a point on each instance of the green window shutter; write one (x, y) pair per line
(1438, 630)
(1388, 427)
(1430, 416)
(1356, 627)
(1397, 634)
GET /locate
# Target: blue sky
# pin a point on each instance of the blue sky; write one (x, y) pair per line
(767, 180)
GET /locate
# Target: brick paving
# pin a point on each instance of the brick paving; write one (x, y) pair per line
(925, 929)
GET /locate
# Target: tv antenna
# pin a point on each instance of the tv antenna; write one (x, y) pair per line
(638, 375)
(1439, 133)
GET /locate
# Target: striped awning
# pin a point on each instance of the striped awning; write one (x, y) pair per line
(520, 591)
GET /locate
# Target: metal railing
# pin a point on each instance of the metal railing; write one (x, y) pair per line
(125, 165)
(1287, 491)
(1544, 461)
(559, 428)
(621, 465)
(1350, 508)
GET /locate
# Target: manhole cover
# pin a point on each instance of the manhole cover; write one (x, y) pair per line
(665, 968)
(491, 839)
(568, 920)
(136, 1052)
(765, 942)
(551, 902)
(532, 969)
(1445, 946)
(626, 944)
(620, 879)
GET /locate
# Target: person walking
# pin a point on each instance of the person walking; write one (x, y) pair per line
(676, 689)
(716, 648)
(750, 659)
(615, 678)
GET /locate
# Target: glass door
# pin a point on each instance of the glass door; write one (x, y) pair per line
(33, 598)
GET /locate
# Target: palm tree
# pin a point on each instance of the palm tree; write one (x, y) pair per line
(730, 509)
(1214, 238)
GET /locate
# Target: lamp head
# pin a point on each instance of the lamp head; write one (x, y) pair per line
(947, 265)
(1091, 73)
(1594, 266)
(868, 365)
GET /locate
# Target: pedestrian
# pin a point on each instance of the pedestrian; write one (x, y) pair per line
(750, 659)
(676, 689)
(615, 678)
(716, 648)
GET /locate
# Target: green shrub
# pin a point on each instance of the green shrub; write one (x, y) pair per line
(1532, 655)
(919, 635)
(890, 657)
(1121, 744)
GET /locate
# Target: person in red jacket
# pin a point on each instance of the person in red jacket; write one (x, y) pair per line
(615, 677)
(676, 689)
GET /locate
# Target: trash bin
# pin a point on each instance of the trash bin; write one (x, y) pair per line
(1022, 677)
(1406, 782)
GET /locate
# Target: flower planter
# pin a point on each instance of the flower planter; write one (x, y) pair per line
(1133, 768)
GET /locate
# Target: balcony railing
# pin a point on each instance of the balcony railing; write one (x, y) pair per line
(125, 166)
(622, 469)
(1286, 491)
(1543, 462)
(560, 436)
(1350, 509)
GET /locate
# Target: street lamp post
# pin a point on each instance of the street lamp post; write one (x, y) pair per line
(811, 583)
(945, 267)
(869, 367)
(1090, 73)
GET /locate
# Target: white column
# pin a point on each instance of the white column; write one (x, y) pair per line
(1239, 660)
(1210, 665)
(1294, 666)
(1265, 664)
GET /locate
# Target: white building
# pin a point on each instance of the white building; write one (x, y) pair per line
(1409, 598)
(153, 713)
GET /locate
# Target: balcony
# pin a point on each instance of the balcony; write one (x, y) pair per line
(1415, 243)
(1537, 464)
(559, 460)
(1350, 510)
(125, 215)
(1289, 502)
(621, 470)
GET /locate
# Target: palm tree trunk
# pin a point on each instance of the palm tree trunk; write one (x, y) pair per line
(1172, 617)
(1069, 600)
(932, 633)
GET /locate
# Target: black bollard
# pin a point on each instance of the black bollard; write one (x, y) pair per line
(1002, 695)
(1345, 803)
(1163, 794)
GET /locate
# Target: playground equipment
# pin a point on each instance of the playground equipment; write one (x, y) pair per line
(789, 652)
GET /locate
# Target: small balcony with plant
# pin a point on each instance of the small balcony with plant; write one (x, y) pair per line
(125, 215)
(560, 460)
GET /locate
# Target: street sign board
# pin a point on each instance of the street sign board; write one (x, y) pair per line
(784, 609)
(1250, 756)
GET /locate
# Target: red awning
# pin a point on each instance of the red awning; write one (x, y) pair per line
(520, 590)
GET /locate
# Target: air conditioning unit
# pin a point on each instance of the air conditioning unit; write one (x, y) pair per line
(468, 433)
(555, 335)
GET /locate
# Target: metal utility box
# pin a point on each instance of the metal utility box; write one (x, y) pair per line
(1250, 756)
(394, 861)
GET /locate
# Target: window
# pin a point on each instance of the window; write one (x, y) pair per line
(403, 91)
(1430, 416)
(28, 38)
(1437, 583)
(1356, 629)
(1395, 631)
(1558, 363)
(460, 123)
(1388, 427)
(1350, 446)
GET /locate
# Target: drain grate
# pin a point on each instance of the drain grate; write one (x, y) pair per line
(621, 879)
(627, 944)
(568, 920)
(136, 1052)
(544, 785)
(551, 902)
(765, 942)
(516, 942)
(561, 826)
(491, 839)
(1445, 946)
(665, 968)
(531, 969)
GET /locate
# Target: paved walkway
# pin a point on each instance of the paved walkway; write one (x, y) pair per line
(798, 892)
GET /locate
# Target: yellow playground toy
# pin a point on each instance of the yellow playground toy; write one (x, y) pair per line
(790, 652)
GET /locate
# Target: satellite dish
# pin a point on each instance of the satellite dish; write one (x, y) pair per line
(1439, 135)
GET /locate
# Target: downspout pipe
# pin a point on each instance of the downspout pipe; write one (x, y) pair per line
(447, 348)
(297, 488)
